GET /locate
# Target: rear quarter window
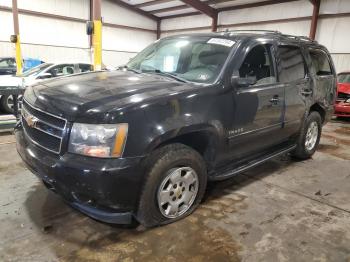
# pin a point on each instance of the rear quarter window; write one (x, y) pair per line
(320, 62)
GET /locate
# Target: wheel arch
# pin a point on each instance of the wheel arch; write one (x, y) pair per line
(316, 107)
(202, 138)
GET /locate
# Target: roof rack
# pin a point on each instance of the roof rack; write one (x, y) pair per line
(298, 38)
(250, 31)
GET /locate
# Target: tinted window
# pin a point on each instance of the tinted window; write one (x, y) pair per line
(344, 78)
(291, 64)
(258, 65)
(62, 70)
(7, 63)
(320, 62)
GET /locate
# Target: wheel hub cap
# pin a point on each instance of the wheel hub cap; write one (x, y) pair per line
(177, 191)
(311, 136)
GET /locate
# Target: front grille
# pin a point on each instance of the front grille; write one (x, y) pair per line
(343, 96)
(43, 129)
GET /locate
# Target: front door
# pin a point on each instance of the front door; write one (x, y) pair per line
(258, 117)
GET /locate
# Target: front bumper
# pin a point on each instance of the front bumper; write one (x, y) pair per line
(105, 189)
(342, 109)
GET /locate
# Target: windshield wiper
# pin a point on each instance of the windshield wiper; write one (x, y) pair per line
(171, 75)
(130, 69)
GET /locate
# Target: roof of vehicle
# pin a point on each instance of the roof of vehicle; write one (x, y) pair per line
(68, 62)
(244, 34)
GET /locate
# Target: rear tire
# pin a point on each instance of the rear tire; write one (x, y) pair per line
(309, 136)
(176, 180)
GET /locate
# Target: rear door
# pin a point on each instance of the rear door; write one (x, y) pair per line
(292, 72)
(258, 113)
(324, 75)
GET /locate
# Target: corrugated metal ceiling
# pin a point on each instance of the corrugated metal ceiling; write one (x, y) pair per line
(164, 8)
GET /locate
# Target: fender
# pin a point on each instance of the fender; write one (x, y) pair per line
(215, 134)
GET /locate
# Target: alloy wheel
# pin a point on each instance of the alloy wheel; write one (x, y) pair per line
(177, 192)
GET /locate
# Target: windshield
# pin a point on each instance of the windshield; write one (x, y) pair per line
(7, 63)
(196, 59)
(344, 78)
(36, 70)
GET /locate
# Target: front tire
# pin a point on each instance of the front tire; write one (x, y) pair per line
(6, 103)
(309, 137)
(176, 180)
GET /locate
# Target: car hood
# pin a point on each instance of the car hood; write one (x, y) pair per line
(16, 81)
(344, 88)
(8, 80)
(81, 97)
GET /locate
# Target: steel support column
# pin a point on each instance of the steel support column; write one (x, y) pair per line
(314, 20)
(214, 23)
(158, 28)
(19, 61)
(97, 35)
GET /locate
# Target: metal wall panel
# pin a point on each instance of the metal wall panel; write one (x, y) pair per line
(270, 12)
(185, 22)
(72, 8)
(126, 40)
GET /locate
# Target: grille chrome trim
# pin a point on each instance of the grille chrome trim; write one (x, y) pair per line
(37, 144)
(47, 113)
(61, 129)
(42, 121)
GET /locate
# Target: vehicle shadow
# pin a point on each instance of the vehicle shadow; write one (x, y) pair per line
(85, 238)
(345, 120)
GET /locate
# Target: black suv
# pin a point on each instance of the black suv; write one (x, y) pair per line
(144, 140)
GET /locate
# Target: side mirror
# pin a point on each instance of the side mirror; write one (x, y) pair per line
(243, 81)
(45, 76)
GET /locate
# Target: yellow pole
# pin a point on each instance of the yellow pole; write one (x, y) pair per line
(19, 57)
(18, 42)
(97, 42)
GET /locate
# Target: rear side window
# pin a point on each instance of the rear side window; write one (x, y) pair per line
(291, 64)
(320, 62)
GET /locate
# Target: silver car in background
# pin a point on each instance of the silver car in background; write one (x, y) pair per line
(36, 74)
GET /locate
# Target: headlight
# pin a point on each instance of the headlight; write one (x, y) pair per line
(98, 140)
(347, 101)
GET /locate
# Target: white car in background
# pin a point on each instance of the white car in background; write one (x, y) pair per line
(36, 74)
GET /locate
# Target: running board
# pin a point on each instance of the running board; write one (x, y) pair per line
(251, 164)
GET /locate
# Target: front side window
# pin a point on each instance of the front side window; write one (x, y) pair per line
(344, 78)
(320, 62)
(258, 66)
(197, 59)
(291, 64)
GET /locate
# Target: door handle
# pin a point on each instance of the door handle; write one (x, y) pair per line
(306, 92)
(275, 100)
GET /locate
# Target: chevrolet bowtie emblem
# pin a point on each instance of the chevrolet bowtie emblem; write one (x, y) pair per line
(31, 121)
